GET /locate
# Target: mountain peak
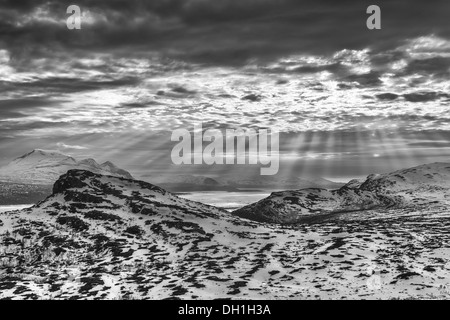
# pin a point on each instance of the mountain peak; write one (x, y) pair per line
(90, 162)
(72, 179)
(43, 153)
(45, 166)
(79, 178)
(108, 164)
(48, 152)
(84, 189)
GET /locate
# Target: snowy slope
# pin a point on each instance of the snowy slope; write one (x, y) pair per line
(423, 185)
(45, 166)
(103, 237)
(435, 175)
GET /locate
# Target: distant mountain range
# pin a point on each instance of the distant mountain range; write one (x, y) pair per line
(275, 182)
(424, 185)
(186, 183)
(29, 178)
(46, 166)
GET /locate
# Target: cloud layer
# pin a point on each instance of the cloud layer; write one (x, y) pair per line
(138, 69)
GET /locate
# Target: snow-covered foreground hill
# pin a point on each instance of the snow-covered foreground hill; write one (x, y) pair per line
(102, 237)
(427, 185)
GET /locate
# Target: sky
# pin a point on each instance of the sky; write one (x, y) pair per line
(348, 101)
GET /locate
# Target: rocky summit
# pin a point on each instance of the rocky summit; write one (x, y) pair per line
(105, 237)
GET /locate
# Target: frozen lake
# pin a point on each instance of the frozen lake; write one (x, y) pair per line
(15, 207)
(226, 200)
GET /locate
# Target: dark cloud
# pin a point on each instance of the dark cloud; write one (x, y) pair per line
(19, 108)
(226, 31)
(183, 90)
(25, 103)
(137, 105)
(437, 66)
(344, 86)
(381, 59)
(14, 129)
(252, 97)
(334, 68)
(370, 79)
(424, 96)
(68, 85)
(387, 96)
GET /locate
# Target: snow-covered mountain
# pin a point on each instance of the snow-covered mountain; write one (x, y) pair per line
(104, 237)
(44, 167)
(422, 185)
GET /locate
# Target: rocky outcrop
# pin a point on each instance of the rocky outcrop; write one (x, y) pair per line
(427, 184)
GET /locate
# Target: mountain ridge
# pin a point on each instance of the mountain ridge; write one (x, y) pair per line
(180, 183)
(29, 178)
(421, 185)
(43, 167)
